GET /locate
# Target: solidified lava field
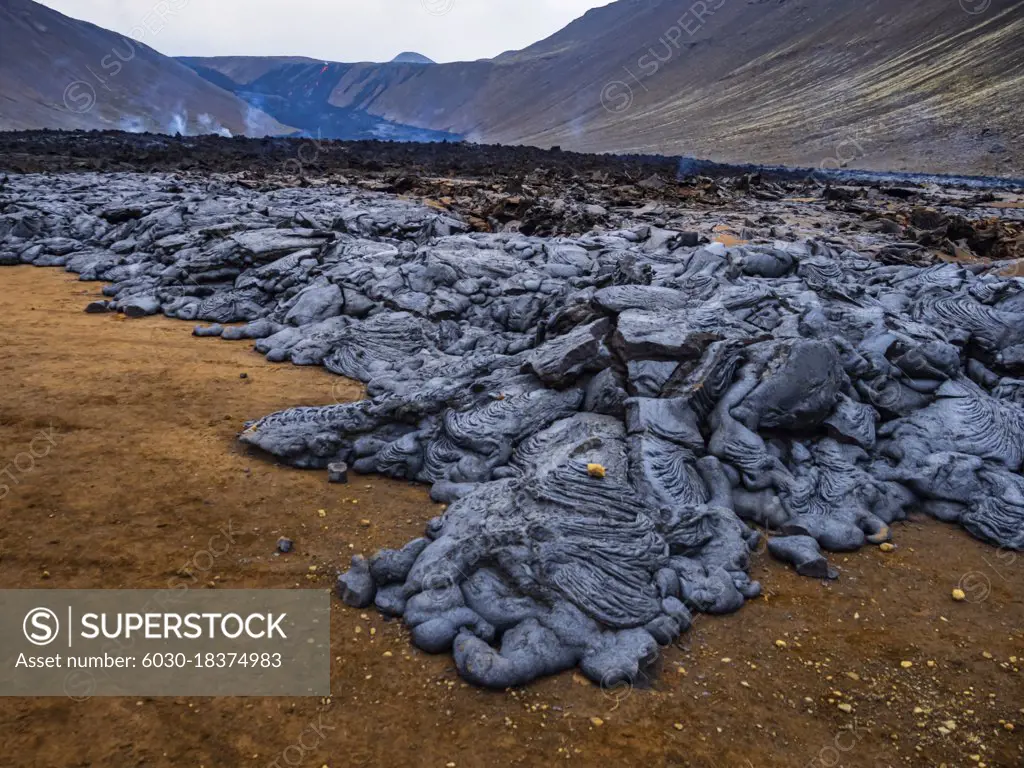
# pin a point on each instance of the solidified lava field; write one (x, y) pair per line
(630, 385)
(614, 405)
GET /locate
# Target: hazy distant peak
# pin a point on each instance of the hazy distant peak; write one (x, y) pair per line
(411, 57)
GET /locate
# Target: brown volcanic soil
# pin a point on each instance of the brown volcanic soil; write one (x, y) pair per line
(145, 471)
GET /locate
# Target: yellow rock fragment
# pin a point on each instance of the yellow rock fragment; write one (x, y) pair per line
(596, 470)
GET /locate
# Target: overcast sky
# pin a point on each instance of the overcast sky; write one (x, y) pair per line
(338, 30)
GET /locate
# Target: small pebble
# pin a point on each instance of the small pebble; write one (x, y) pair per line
(959, 595)
(596, 470)
(284, 545)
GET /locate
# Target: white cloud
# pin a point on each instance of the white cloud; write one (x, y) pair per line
(336, 30)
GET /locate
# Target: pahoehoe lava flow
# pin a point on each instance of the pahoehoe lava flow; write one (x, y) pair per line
(612, 417)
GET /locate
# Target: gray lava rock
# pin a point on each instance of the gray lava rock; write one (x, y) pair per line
(208, 330)
(140, 306)
(606, 415)
(337, 472)
(560, 362)
(356, 587)
(803, 553)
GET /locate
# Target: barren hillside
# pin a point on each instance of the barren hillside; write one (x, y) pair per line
(57, 72)
(923, 85)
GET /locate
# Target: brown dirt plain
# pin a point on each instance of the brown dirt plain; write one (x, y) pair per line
(145, 471)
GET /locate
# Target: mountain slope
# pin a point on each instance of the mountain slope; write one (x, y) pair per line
(298, 93)
(918, 85)
(57, 72)
(243, 70)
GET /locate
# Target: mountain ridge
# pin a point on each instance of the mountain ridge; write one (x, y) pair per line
(915, 87)
(918, 86)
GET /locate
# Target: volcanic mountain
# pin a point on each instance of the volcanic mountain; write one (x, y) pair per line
(917, 85)
(411, 57)
(57, 72)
